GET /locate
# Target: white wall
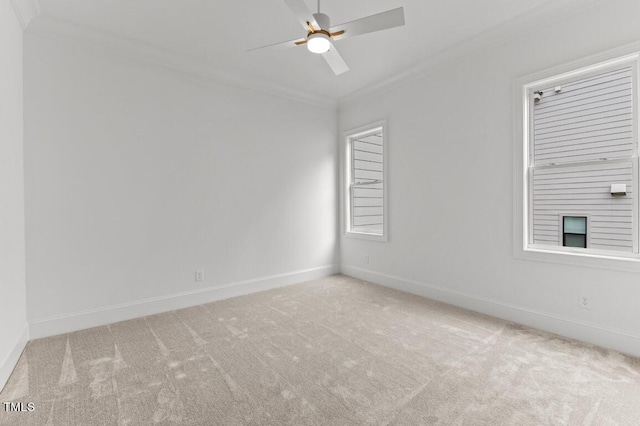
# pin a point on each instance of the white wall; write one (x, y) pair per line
(13, 325)
(451, 189)
(136, 176)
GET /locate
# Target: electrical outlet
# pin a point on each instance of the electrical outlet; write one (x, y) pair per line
(199, 274)
(366, 258)
(585, 302)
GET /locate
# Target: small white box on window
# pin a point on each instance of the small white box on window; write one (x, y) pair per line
(618, 189)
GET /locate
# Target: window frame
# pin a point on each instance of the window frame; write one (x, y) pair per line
(347, 170)
(523, 89)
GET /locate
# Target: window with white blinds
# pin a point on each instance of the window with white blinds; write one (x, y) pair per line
(366, 190)
(582, 149)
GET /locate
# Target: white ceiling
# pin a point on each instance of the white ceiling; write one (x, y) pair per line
(218, 34)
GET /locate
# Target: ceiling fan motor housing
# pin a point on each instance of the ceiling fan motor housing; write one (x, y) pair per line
(318, 39)
(323, 21)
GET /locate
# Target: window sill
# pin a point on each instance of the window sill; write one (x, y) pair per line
(365, 236)
(577, 257)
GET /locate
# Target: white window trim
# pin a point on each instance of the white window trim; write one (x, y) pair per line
(346, 190)
(521, 89)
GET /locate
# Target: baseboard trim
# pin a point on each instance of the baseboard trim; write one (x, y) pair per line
(590, 333)
(9, 363)
(92, 318)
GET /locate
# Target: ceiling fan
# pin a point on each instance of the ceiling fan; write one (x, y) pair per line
(321, 35)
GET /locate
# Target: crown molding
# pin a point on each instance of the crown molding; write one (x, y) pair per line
(25, 11)
(136, 50)
(520, 26)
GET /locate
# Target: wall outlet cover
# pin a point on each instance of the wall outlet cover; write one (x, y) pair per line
(585, 302)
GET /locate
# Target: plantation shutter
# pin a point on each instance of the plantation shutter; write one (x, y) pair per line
(583, 140)
(367, 184)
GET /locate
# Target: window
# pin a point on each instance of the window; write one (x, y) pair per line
(578, 161)
(365, 172)
(574, 231)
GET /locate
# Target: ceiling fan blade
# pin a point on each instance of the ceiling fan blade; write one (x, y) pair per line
(381, 21)
(282, 45)
(335, 61)
(303, 13)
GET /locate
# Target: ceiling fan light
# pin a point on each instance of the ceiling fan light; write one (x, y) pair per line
(318, 42)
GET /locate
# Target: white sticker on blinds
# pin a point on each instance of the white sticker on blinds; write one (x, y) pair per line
(367, 184)
(587, 119)
(584, 188)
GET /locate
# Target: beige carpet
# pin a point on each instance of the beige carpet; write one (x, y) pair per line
(336, 351)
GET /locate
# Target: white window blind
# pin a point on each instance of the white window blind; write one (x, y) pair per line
(583, 136)
(366, 185)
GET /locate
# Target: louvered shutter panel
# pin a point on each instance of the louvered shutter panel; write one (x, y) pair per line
(582, 131)
(367, 195)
